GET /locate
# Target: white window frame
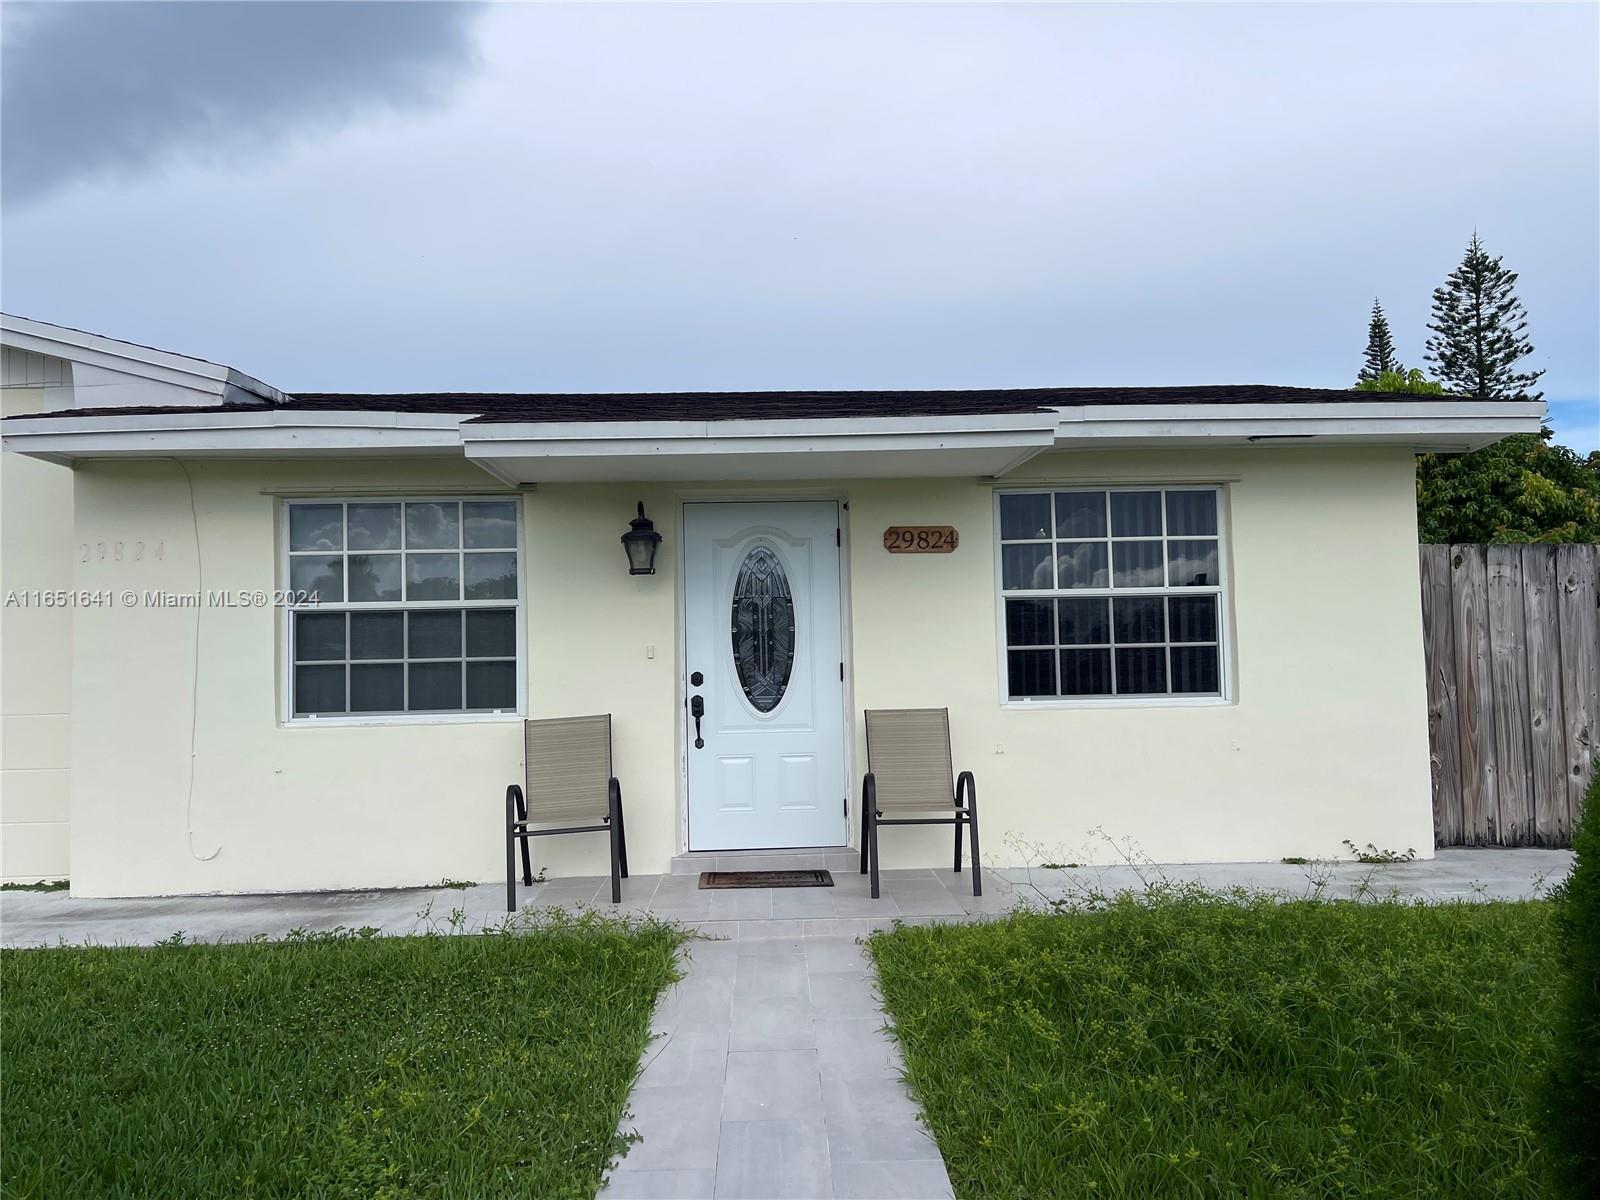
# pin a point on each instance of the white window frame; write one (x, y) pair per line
(286, 661)
(1222, 592)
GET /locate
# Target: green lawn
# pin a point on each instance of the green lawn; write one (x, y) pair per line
(1201, 1046)
(448, 1066)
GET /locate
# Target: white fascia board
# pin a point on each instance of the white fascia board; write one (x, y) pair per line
(1423, 425)
(617, 431)
(866, 443)
(146, 362)
(239, 433)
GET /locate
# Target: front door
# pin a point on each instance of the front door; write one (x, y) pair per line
(764, 666)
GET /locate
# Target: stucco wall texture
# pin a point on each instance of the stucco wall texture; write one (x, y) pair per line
(35, 659)
(186, 779)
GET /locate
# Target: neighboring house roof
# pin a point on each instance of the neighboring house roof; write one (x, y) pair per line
(111, 373)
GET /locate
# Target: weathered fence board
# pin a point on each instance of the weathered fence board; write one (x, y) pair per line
(1508, 696)
(1512, 638)
(1547, 742)
(1469, 589)
(1444, 734)
(1580, 655)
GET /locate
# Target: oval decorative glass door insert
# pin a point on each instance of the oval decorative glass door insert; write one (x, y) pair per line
(763, 629)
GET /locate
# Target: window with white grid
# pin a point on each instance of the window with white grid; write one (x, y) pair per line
(1112, 592)
(410, 607)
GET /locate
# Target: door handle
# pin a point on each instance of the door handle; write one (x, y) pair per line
(697, 709)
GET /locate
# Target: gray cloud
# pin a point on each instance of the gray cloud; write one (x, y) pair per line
(97, 89)
(650, 197)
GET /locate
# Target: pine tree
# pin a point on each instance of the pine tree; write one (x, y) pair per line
(1381, 357)
(1478, 325)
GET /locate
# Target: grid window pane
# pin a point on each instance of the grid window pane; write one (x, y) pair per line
(490, 523)
(374, 526)
(1135, 514)
(1141, 671)
(1031, 672)
(1026, 568)
(1136, 564)
(1082, 564)
(316, 527)
(434, 634)
(1191, 512)
(1196, 670)
(1133, 592)
(377, 635)
(1084, 622)
(433, 525)
(491, 685)
(1080, 514)
(318, 690)
(377, 687)
(434, 687)
(1192, 564)
(1138, 619)
(374, 644)
(318, 576)
(491, 576)
(1030, 622)
(492, 633)
(1024, 517)
(433, 577)
(1192, 619)
(318, 636)
(1086, 672)
(374, 577)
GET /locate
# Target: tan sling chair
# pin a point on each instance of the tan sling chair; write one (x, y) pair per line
(570, 785)
(908, 771)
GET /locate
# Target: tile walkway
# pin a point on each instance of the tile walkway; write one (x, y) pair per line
(772, 1074)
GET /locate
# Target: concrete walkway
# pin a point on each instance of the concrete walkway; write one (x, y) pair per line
(771, 1073)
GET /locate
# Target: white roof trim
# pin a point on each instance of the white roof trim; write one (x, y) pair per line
(145, 362)
(1449, 426)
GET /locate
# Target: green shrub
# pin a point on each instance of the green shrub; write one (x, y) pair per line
(1571, 1106)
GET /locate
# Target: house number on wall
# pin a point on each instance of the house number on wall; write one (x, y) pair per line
(920, 539)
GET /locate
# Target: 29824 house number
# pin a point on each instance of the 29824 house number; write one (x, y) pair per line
(920, 539)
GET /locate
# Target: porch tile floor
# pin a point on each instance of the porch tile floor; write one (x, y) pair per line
(771, 1072)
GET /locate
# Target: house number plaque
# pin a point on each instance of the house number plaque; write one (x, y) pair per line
(920, 539)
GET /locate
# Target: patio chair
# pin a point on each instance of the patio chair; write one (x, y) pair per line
(567, 763)
(908, 771)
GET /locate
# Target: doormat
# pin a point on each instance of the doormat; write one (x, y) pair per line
(752, 879)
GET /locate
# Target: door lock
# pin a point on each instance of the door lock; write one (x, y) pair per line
(697, 709)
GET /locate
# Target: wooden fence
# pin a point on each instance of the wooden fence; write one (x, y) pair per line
(1513, 650)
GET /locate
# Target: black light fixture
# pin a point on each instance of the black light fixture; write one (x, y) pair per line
(641, 543)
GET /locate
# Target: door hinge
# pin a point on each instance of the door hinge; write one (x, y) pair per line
(847, 806)
(841, 672)
(838, 539)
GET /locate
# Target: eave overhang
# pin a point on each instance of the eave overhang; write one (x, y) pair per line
(869, 447)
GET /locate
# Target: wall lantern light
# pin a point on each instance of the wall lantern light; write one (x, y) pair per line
(641, 543)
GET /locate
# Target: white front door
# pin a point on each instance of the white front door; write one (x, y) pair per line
(763, 661)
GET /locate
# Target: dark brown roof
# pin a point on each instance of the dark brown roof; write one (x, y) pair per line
(746, 406)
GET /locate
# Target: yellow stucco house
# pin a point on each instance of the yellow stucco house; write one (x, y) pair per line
(257, 642)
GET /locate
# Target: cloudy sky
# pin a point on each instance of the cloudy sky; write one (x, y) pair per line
(416, 197)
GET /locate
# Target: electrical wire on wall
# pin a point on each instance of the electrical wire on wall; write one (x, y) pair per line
(194, 681)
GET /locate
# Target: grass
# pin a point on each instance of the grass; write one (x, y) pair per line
(53, 885)
(1191, 1045)
(327, 1066)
